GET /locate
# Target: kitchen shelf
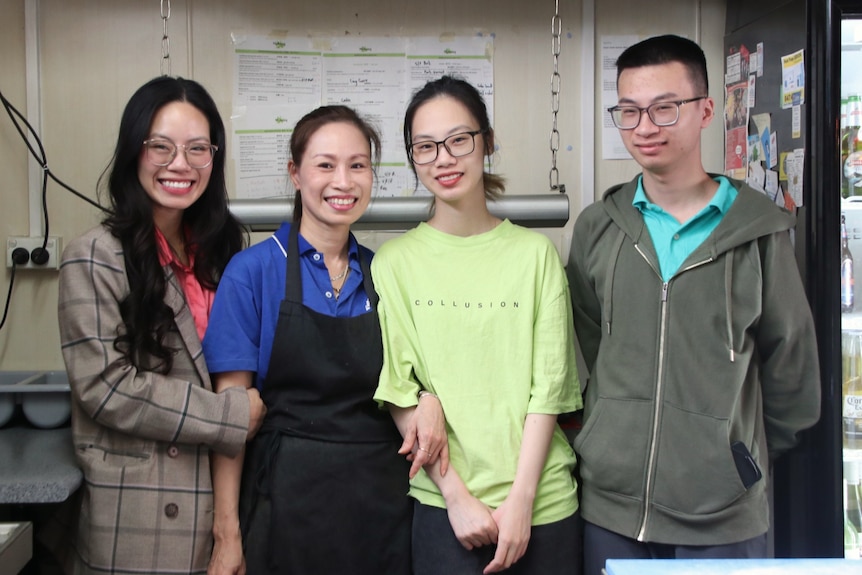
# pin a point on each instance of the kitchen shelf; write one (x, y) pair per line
(43, 397)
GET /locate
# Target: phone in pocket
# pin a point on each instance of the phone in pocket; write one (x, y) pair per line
(746, 466)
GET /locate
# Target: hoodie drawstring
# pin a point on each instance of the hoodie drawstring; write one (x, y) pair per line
(610, 273)
(728, 304)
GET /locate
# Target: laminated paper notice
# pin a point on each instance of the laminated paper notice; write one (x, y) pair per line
(736, 130)
(792, 168)
(612, 144)
(278, 79)
(793, 79)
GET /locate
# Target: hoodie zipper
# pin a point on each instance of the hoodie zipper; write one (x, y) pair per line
(659, 384)
(656, 410)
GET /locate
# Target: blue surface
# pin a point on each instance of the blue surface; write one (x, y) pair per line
(733, 567)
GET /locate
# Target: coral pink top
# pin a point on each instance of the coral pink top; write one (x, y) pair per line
(199, 298)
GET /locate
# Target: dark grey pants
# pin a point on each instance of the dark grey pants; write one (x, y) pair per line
(554, 549)
(601, 544)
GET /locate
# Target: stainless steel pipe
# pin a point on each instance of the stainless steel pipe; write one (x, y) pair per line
(393, 214)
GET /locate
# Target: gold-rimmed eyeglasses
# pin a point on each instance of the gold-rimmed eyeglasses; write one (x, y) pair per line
(662, 114)
(199, 155)
(457, 145)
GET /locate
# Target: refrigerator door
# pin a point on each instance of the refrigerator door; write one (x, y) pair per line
(808, 481)
(851, 377)
(850, 292)
(828, 466)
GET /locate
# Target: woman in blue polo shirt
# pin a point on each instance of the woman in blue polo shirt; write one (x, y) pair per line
(322, 488)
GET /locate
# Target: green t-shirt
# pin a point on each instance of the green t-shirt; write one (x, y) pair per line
(485, 322)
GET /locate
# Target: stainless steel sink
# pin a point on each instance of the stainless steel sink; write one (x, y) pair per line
(42, 396)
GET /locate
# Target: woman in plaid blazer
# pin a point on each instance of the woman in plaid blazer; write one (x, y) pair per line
(135, 294)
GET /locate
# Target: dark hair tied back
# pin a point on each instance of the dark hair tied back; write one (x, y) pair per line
(309, 124)
(468, 96)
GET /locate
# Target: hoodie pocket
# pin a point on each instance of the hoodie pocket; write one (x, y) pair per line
(696, 472)
(612, 446)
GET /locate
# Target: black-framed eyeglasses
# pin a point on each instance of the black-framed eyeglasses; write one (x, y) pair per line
(199, 155)
(457, 145)
(661, 114)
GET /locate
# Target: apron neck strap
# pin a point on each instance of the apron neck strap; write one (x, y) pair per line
(293, 289)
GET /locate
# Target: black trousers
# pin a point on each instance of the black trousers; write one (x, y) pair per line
(554, 549)
(601, 545)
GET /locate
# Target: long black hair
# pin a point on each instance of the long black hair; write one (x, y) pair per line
(213, 233)
(470, 98)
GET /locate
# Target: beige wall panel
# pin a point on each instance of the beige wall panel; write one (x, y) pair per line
(13, 154)
(522, 66)
(94, 54)
(29, 336)
(90, 62)
(700, 20)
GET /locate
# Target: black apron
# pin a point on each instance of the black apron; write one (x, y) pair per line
(324, 489)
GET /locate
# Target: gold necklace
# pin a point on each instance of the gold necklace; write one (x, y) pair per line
(337, 290)
(341, 275)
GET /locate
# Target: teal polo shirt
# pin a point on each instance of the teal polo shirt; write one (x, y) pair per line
(673, 241)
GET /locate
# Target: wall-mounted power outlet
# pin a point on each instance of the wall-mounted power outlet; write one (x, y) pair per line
(53, 247)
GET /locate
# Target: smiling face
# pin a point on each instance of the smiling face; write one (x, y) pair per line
(663, 150)
(451, 179)
(334, 176)
(175, 187)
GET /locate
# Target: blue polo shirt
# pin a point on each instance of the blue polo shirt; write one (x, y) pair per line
(673, 241)
(245, 311)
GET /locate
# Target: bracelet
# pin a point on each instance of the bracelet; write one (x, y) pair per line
(424, 393)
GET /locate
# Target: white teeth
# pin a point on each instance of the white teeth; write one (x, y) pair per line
(341, 201)
(449, 177)
(177, 185)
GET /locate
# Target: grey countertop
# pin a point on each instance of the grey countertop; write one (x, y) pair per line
(37, 465)
(733, 567)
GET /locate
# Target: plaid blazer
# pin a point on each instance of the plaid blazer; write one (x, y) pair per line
(142, 439)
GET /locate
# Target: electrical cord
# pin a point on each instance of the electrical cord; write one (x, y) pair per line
(40, 255)
(8, 297)
(20, 256)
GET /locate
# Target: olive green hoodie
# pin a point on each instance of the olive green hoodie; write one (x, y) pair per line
(723, 353)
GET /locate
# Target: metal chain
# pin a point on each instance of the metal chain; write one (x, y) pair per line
(166, 41)
(556, 36)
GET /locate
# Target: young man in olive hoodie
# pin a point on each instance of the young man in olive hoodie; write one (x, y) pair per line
(695, 329)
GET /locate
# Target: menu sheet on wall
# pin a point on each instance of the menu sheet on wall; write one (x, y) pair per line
(279, 79)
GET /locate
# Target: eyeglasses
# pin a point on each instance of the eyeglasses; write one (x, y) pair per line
(457, 145)
(199, 155)
(661, 114)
